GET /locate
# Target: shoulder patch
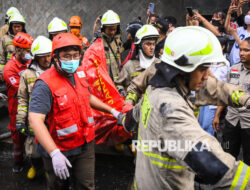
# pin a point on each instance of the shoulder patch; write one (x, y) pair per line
(81, 74)
(12, 80)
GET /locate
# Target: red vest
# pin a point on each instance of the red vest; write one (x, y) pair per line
(12, 72)
(70, 120)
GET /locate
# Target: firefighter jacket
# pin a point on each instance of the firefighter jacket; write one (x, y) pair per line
(172, 147)
(113, 49)
(3, 30)
(27, 81)
(6, 50)
(70, 120)
(130, 71)
(12, 73)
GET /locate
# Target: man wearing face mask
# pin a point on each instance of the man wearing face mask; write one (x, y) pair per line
(41, 51)
(16, 24)
(12, 72)
(145, 40)
(64, 104)
(75, 25)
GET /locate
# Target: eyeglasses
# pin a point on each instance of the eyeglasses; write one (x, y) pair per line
(69, 57)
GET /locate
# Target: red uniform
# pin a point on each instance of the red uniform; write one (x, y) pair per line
(70, 119)
(12, 73)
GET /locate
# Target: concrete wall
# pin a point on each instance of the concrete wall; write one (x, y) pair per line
(39, 13)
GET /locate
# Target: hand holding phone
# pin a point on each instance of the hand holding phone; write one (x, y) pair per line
(151, 8)
(190, 11)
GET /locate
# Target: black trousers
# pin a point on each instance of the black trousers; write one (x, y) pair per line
(233, 138)
(81, 174)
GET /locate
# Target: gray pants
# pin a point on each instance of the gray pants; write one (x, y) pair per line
(81, 173)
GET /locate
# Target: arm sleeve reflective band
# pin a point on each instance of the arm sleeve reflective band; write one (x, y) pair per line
(132, 96)
(20, 108)
(31, 80)
(241, 177)
(236, 95)
(1, 66)
(134, 74)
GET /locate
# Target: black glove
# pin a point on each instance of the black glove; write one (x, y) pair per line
(122, 92)
(120, 118)
(21, 128)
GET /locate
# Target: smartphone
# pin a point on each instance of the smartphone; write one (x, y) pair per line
(151, 8)
(190, 11)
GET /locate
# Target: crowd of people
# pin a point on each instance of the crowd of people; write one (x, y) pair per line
(178, 84)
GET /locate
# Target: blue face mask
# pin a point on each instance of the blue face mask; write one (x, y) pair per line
(27, 57)
(70, 66)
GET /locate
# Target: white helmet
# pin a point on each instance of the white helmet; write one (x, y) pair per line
(146, 31)
(188, 47)
(16, 18)
(11, 11)
(41, 46)
(57, 25)
(110, 18)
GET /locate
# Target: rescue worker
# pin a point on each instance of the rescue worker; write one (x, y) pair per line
(162, 27)
(111, 35)
(236, 132)
(67, 139)
(165, 115)
(75, 25)
(56, 26)
(12, 72)
(41, 51)
(5, 28)
(131, 30)
(145, 40)
(16, 24)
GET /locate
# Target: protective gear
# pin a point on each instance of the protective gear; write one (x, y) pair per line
(41, 46)
(115, 113)
(133, 27)
(17, 18)
(247, 19)
(162, 24)
(23, 40)
(146, 31)
(110, 18)
(70, 66)
(21, 128)
(145, 61)
(72, 121)
(122, 92)
(64, 40)
(10, 12)
(180, 54)
(75, 21)
(57, 25)
(60, 164)
(27, 57)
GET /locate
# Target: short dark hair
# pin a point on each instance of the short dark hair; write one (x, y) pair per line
(170, 19)
(247, 39)
(68, 48)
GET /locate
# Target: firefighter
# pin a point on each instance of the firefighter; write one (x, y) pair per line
(16, 24)
(67, 139)
(75, 25)
(41, 50)
(145, 40)
(5, 28)
(56, 26)
(172, 147)
(111, 35)
(12, 72)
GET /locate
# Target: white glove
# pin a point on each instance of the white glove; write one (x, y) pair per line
(115, 113)
(3, 97)
(60, 163)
